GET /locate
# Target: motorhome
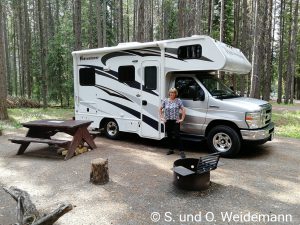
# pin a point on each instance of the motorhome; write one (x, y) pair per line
(120, 89)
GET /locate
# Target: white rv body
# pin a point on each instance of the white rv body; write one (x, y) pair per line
(133, 106)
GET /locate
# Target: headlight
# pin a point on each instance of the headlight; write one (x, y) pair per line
(253, 119)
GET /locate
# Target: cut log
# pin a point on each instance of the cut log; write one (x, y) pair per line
(27, 212)
(52, 217)
(99, 171)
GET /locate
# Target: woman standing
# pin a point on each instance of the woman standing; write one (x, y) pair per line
(171, 118)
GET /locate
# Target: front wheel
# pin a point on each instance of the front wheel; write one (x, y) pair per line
(111, 129)
(225, 140)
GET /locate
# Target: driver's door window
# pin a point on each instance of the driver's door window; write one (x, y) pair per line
(183, 85)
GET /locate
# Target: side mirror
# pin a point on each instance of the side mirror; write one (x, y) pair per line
(193, 92)
(196, 93)
(201, 95)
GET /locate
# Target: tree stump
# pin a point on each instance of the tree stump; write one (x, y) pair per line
(99, 171)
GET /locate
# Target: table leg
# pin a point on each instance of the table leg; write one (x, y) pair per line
(74, 143)
(81, 134)
(23, 147)
(88, 138)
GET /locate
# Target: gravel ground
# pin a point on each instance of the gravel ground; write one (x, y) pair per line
(263, 180)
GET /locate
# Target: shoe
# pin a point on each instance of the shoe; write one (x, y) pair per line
(170, 152)
(182, 155)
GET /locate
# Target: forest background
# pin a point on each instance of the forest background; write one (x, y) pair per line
(38, 36)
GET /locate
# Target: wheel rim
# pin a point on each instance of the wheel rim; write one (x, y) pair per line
(222, 142)
(112, 128)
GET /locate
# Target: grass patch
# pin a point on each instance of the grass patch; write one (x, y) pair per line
(282, 104)
(287, 124)
(22, 115)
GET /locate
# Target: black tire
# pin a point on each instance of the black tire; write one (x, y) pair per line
(225, 140)
(111, 129)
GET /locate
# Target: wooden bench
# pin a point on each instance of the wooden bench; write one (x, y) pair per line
(94, 133)
(28, 140)
(20, 140)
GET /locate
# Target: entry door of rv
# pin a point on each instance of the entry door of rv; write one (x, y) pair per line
(150, 100)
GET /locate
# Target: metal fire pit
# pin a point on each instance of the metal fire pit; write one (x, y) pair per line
(194, 174)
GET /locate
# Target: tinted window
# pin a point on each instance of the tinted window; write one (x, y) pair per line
(126, 73)
(150, 77)
(190, 52)
(183, 85)
(87, 77)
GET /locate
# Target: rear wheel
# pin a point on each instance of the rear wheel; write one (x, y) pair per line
(225, 140)
(111, 129)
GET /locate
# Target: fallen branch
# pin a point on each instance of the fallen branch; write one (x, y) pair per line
(27, 214)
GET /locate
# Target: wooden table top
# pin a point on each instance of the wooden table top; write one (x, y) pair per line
(57, 123)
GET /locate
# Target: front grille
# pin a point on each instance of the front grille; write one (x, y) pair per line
(266, 114)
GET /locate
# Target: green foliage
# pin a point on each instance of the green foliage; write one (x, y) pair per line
(18, 116)
(287, 123)
(229, 21)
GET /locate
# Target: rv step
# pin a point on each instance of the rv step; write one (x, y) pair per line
(189, 137)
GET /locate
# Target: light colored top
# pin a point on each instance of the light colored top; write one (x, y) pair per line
(171, 108)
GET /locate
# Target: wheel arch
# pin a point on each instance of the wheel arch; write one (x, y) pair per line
(215, 123)
(104, 121)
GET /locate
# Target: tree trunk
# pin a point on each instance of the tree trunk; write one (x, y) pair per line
(121, 21)
(141, 15)
(262, 24)
(269, 58)
(7, 51)
(99, 24)
(281, 45)
(127, 22)
(104, 23)
(289, 94)
(181, 9)
(15, 70)
(3, 109)
(77, 24)
(209, 18)
(254, 93)
(91, 27)
(27, 50)
(222, 21)
(244, 39)
(191, 18)
(43, 54)
(21, 38)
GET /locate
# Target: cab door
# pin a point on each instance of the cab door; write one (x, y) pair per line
(196, 109)
(150, 100)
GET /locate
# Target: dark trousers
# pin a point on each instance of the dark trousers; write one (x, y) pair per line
(172, 129)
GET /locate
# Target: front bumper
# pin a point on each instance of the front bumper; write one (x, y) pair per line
(261, 134)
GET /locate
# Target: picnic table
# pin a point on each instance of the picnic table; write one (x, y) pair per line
(40, 131)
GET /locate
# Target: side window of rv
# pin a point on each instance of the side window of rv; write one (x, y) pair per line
(87, 77)
(126, 73)
(189, 52)
(150, 77)
(183, 85)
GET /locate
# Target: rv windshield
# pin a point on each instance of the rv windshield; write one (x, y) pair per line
(216, 87)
